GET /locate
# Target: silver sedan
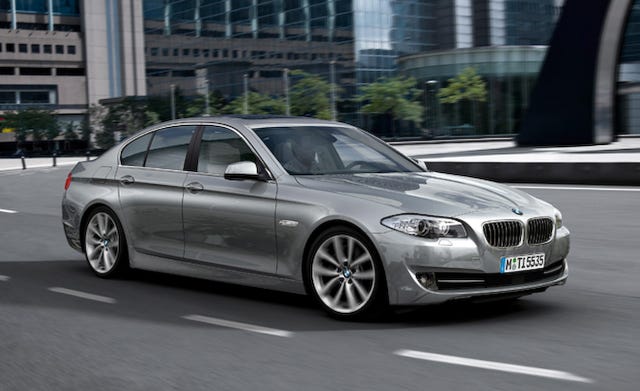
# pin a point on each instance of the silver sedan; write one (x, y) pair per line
(304, 205)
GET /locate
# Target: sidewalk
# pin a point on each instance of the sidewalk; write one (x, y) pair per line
(7, 164)
(612, 164)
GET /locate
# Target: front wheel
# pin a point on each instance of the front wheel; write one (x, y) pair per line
(345, 276)
(104, 244)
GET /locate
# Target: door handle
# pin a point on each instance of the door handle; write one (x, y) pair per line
(194, 187)
(127, 180)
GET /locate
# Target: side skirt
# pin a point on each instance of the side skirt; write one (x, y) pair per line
(153, 262)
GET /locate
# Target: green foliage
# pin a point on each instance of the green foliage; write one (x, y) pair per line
(395, 96)
(70, 131)
(310, 95)
(257, 104)
(127, 117)
(197, 107)
(467, 85)
(34, 122)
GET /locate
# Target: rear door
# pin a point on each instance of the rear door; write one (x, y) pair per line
(152, 179)
(228, 222)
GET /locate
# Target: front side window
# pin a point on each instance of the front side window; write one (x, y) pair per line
(169, 147)
(219, 148)
(322, 150)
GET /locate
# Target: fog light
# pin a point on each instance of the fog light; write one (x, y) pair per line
(427, 280)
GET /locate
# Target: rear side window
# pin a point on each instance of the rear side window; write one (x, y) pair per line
(133, 154)
(219, 148)
(169, 147)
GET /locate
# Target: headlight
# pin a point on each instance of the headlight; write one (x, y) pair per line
(558, 219)
(425, 226)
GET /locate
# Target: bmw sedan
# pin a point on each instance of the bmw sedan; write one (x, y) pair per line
(304, 205)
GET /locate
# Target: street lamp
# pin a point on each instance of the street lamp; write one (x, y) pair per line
(245, 105)
(333, 89)
(285, 76)
(173, 101)
(435, 84)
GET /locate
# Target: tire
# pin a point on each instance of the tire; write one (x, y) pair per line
(104, 245)
(343, 273)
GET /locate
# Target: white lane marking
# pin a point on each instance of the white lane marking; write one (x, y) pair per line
(577, 188)
(4, 278)
(8, 211)
(492, 365)
(240, 326)
(83, 295)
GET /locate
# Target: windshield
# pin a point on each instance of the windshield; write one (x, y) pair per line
(321, 150)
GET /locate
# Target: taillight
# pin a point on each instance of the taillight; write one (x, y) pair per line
(67, 183)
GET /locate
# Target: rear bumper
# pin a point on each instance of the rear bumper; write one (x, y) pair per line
(71, 224)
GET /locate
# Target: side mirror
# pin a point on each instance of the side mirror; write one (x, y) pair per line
(242, 170)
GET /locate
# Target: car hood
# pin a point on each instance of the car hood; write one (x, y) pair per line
(425, 192)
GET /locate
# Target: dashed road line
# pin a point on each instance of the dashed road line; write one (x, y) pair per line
(240, 326)
(8, 211)
(578, 188)
(83, 295)
(4, 278)
(492, 365)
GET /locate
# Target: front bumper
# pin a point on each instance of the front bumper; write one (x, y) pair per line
(463, 268)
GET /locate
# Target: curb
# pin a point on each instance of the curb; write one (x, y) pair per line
(622, 174)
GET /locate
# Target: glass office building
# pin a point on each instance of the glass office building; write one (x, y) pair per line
(629, 75)
(200, 45)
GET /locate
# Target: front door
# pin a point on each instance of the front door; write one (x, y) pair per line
(227, 222)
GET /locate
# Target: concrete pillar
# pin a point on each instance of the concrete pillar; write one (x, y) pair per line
(14, 16)
(50, 14)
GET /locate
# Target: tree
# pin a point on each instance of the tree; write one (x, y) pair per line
(197, 107)
(395, 97)
(127, 117)
(257, 104)
(34, 122)
(466, 88)
(310, 95)
(70, 132)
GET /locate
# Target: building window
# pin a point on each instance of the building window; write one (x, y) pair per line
(8, 97)
(7, 71)
(71, 49)
(176, 52)
(34, 97)
(185, 52)
(154, 52)
(196, 52)
(59, 49)
(205, 53)
(11, 48)
(70, 72)
(35, 48)
(165, 52)
(0, 48)
(22, 48)
(28, 71)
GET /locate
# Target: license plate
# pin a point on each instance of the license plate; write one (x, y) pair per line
(521, 262)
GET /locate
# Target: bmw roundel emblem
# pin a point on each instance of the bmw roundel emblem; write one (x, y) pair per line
(517, 211)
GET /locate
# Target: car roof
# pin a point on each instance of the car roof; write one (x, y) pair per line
(251, 121)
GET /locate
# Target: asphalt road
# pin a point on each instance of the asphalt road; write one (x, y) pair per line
(140, 333)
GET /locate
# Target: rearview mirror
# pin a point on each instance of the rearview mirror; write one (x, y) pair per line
(242, 170)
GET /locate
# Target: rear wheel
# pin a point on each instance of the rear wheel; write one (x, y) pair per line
(104, 244)
(345, 276)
